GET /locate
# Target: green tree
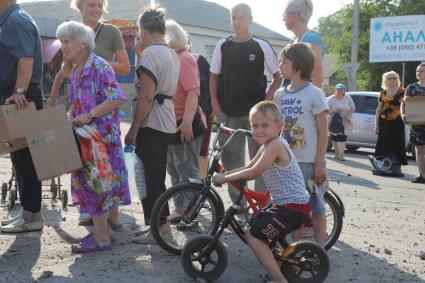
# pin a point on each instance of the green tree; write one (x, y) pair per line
(336, 32)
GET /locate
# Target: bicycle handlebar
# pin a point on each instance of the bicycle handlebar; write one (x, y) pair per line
(230, 131)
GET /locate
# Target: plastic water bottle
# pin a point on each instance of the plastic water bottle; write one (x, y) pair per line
(136, 173)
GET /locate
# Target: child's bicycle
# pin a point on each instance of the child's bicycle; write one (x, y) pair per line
(204, 209)
(205, 257)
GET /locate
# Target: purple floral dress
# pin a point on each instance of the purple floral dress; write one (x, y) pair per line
(96, 84)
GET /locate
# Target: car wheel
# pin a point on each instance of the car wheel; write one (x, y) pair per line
(329, 146)
(411, 148)
(352, 148)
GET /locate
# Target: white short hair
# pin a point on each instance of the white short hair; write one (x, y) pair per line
(242, 6)
(78, 32)
(75, 4)
(385, 79)
(175, 35)
(304, 8)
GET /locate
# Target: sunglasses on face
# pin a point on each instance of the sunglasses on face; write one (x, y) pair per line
(393, 78)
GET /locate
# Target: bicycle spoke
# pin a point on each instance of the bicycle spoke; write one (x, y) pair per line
(299, 272)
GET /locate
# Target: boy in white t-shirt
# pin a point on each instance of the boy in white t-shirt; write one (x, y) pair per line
(304, 107)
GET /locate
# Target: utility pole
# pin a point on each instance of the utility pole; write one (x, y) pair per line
(355, 45)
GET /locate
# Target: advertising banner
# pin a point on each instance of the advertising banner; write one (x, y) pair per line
(397, 39)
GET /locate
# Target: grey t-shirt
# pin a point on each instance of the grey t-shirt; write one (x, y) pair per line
(109, 40)
(161, 63)
(299, 108)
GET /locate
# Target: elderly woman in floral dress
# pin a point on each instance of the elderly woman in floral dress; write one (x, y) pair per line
(94, 97)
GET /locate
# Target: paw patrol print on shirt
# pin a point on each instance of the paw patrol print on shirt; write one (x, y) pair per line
(294, 134)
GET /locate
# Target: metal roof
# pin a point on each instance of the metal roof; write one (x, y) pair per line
(197, 13)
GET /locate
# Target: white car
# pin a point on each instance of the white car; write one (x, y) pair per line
(362, 133)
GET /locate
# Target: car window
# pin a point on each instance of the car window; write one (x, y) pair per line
(370, 104)
(358, 103)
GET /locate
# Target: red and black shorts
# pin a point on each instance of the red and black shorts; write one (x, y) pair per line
(275, 221)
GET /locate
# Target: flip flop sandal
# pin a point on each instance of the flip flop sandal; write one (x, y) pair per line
(89, 244)
(115, 227)
(86, 222)
(113, 239)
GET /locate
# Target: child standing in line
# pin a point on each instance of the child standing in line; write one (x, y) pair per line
(305, 105)
(282, 175)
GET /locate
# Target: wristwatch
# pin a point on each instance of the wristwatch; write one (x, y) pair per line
(20, 90)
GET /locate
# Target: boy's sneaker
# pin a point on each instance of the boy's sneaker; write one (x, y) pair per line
(419, 180)
(182, 226)
(174, 217)
(309, 232)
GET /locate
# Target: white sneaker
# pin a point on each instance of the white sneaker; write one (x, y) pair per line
(13, 219)
(174, 217)
(19, 226)
(145, 239)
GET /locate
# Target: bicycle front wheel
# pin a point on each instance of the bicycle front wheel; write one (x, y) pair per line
(189, 197)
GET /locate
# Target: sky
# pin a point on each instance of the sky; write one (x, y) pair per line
(269, 13)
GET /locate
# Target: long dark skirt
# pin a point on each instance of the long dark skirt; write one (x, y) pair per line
(391, 139)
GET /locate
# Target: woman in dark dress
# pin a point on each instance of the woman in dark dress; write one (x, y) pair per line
(389, 125)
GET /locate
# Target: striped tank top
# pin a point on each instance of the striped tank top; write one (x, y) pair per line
(286, 183)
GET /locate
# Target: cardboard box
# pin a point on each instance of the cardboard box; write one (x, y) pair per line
(11, 121)
(47, 133)
(51, 142)
(54, 152)
(12, 145)
(415, 110)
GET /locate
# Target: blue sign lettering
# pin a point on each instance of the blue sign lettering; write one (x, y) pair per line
(409, 37)
(399, 37)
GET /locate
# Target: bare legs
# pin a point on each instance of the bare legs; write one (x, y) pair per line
(319, 225)
(265, 256)
(339, 148)
(420, 159)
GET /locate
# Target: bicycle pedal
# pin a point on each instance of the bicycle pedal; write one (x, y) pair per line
(182, 226)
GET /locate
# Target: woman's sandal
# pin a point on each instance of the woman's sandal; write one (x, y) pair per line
(86, 222)
(89, 244)
(114, 227)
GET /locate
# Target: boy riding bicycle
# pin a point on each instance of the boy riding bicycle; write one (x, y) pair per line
(283, 177)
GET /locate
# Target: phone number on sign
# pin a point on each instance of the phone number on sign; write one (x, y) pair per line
(403, 47)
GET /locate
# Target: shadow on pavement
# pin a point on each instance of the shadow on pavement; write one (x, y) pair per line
(364, 266)
(351, 180)
(20, 257)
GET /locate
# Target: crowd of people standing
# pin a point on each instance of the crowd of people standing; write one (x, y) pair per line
(171, 131)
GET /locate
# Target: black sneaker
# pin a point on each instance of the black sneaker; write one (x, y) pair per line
(419, 180)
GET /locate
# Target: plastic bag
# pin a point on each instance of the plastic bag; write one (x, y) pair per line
(95, 159)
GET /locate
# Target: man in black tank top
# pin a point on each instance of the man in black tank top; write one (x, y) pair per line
(238, 82)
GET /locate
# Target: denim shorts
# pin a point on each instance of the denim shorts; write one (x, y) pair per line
(317, 202)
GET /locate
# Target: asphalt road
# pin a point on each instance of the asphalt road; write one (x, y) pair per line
(382, 238)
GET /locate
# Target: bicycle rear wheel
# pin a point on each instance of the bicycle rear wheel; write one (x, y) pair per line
(205, 222)
(334, 220)
(312, 264)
